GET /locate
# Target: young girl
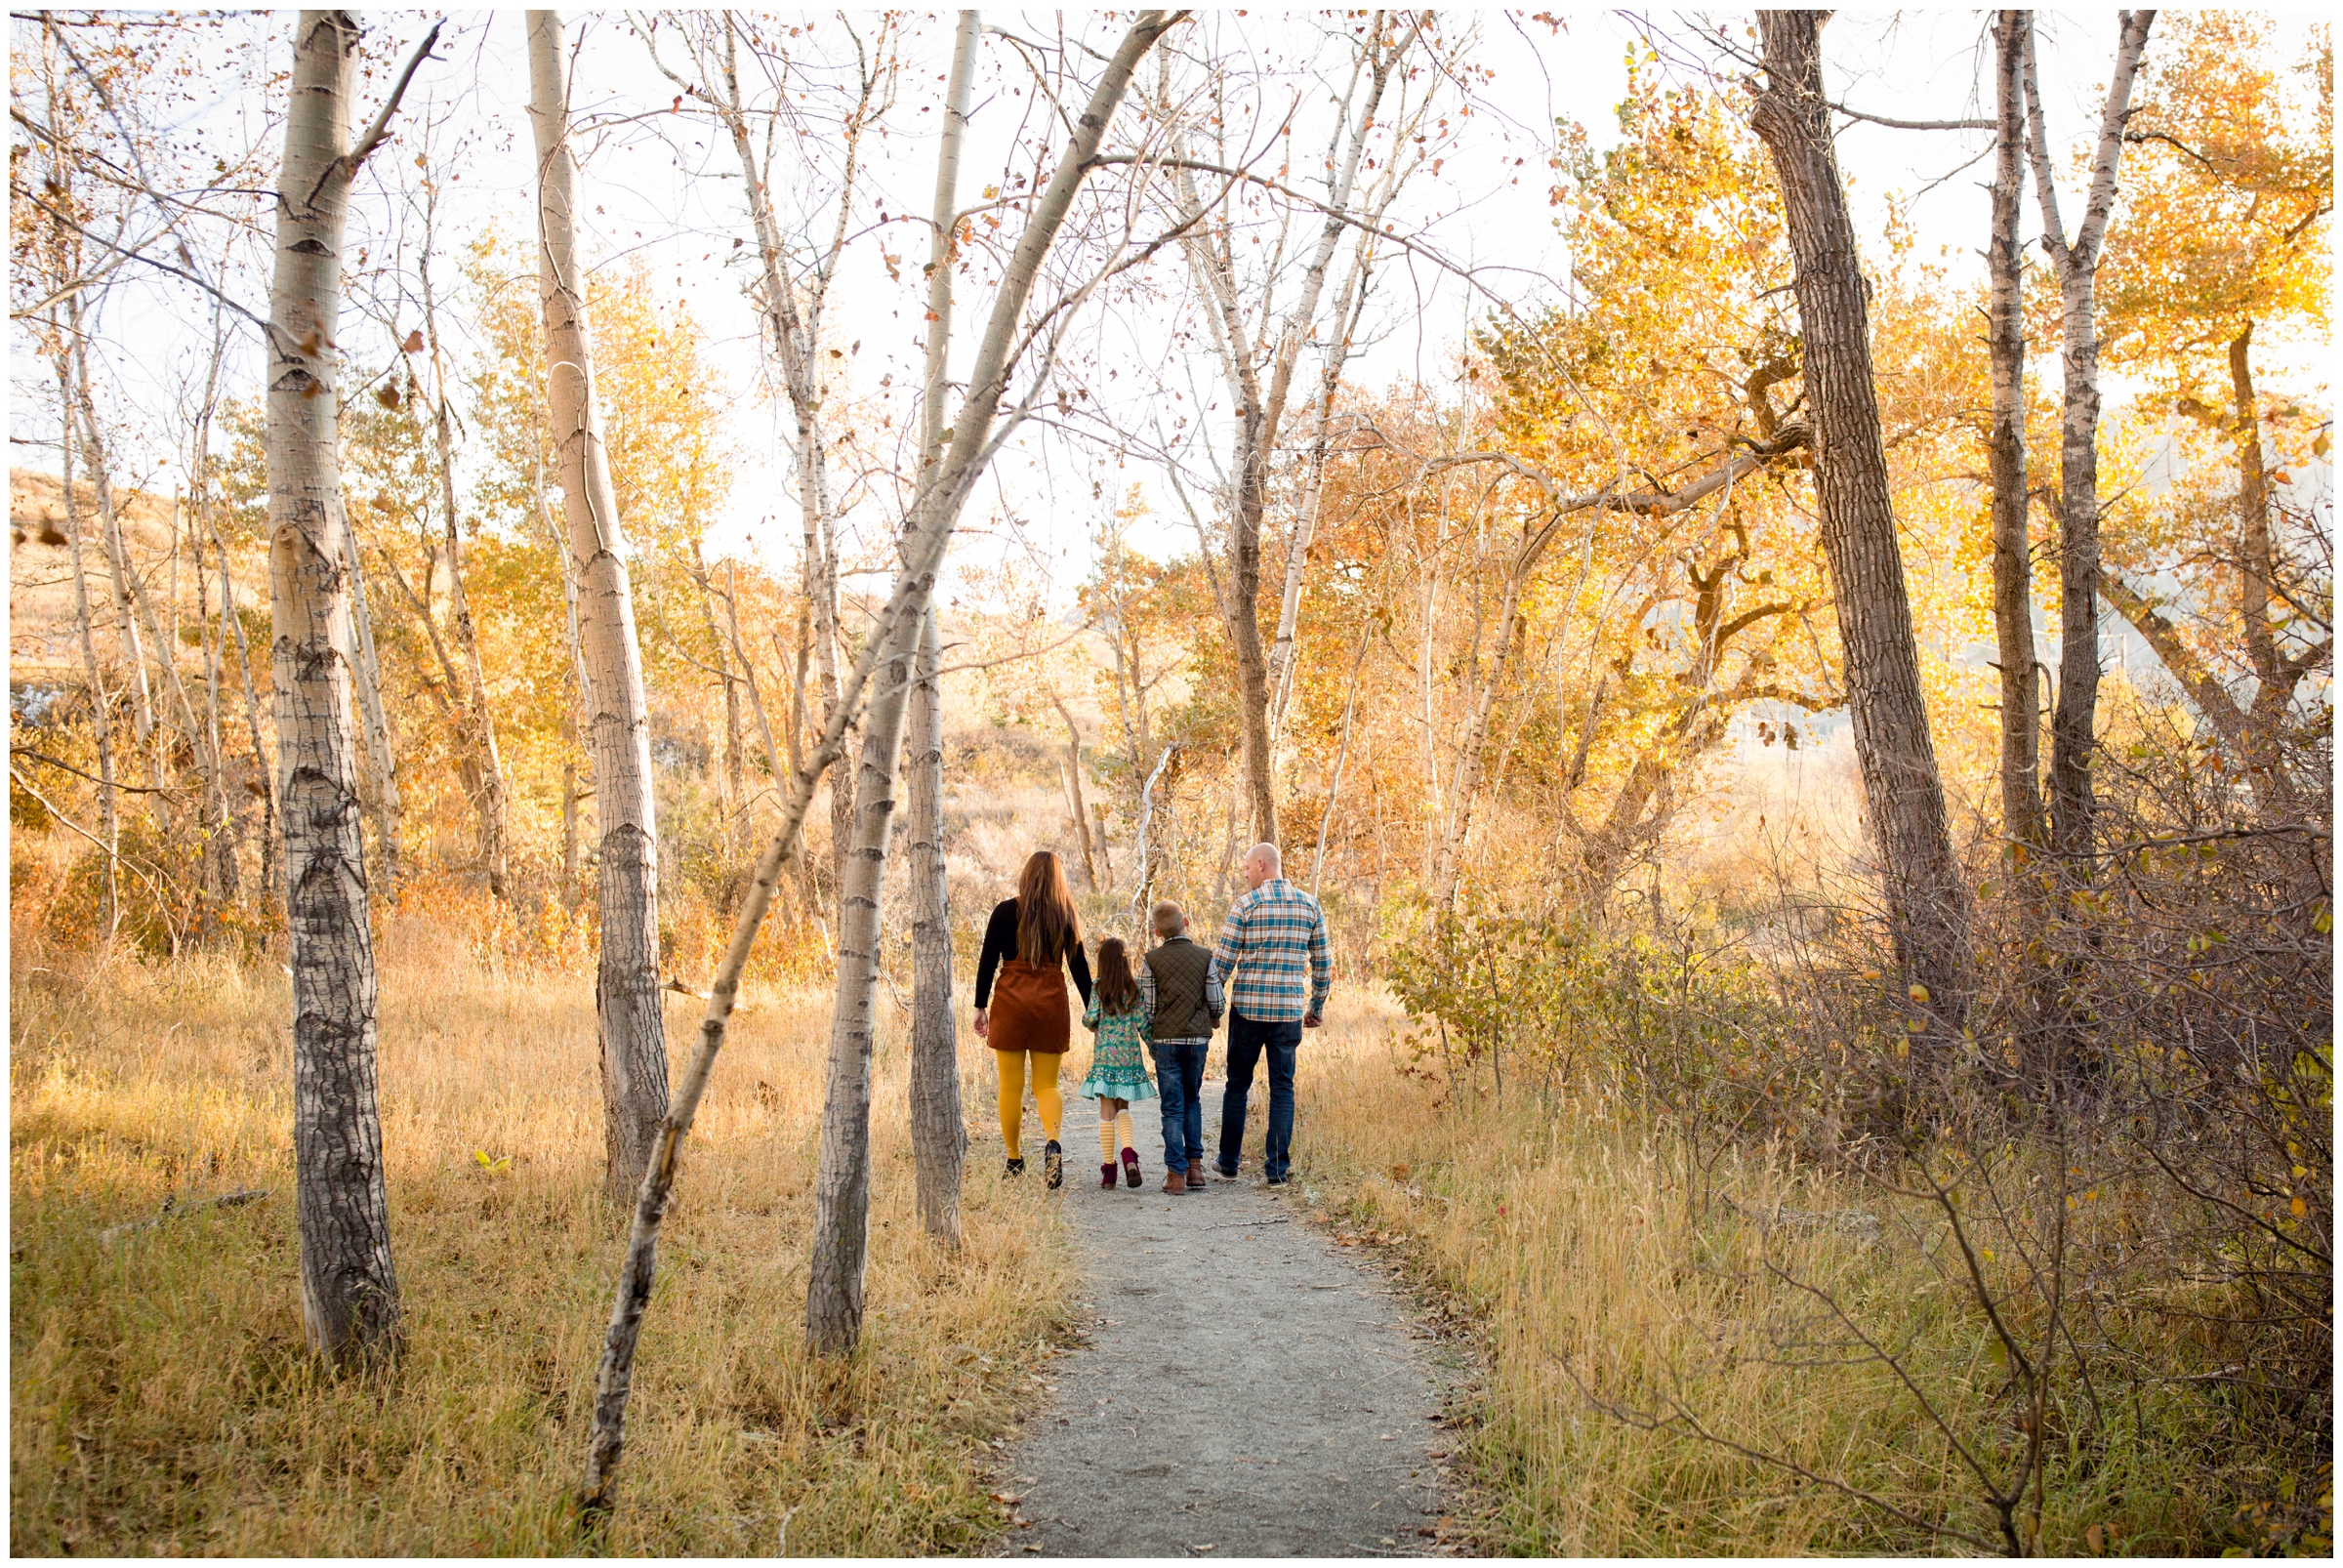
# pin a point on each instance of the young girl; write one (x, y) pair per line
(1118, 1066)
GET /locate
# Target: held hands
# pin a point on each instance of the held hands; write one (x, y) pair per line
(984, 1024)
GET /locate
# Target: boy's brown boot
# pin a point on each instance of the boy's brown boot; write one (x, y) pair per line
(1173, 1182)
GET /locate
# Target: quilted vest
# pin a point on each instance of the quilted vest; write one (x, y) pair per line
(1179, 967)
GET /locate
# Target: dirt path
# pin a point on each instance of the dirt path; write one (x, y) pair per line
(1248, 1389)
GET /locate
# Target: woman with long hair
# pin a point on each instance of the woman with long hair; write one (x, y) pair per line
(1030, 944)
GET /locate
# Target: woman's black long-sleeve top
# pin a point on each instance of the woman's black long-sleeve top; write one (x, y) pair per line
(1000, 945)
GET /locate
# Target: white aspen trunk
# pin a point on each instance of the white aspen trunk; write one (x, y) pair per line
(627, 1000)
(2013, 556)
(2074, 721)
(940, 1130)
(349, 1292)
(101, 731)
(379, 754)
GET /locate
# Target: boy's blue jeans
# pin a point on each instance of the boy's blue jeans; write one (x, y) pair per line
(1178, 1080)
(1247, 1039)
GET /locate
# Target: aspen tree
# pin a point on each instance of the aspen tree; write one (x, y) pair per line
(349, 1292)
(2013, 554)
(627, 997)
(2074, 721)
(939, 1132)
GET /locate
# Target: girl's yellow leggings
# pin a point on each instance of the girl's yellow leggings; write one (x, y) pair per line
(1012, 1094)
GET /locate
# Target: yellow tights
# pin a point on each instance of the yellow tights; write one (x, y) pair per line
(1114, 1123)
(1012, 1094)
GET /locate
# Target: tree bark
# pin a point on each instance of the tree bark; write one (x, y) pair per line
(2013, 554)
(939, 1132)
(2075, 719)
(1927, 908)
(627, 999)
(349, 1292)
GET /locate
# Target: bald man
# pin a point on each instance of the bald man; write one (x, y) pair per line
(1274, 937)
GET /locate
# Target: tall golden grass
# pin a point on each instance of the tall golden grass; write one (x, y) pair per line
(1565, 1230)
(161, 1400)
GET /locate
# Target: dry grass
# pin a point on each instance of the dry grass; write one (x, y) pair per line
(160, 1397)
(1563, 1233)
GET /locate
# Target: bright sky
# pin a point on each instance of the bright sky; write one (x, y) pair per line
(661, 186)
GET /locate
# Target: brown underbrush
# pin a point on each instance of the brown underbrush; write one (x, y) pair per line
(1692, 1350)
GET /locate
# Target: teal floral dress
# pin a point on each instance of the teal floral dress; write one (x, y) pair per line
(1119, 1061)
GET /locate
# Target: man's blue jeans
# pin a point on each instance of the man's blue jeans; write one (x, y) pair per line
(1178, 1080)
(1247, 1038)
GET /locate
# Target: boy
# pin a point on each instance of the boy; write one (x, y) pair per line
(1176, 991)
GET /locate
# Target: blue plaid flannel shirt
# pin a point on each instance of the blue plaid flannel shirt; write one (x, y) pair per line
(1264, 942)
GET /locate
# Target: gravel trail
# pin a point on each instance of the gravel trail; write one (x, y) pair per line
(1248, 1389)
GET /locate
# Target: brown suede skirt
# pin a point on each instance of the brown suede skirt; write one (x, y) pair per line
(1029, 1011)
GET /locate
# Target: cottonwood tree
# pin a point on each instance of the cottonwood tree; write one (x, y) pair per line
(979, 426)
(2231, 185)
(1258, 345)
(2074, 262)
(795, 278)
(1904, 791)
(627, 995)
(349, 1292)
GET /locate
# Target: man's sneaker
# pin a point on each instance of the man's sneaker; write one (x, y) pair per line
(1175, 1181)
(1014, 1167)
(1130, 1166)
(1053, 1165)
(1225, 1173)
